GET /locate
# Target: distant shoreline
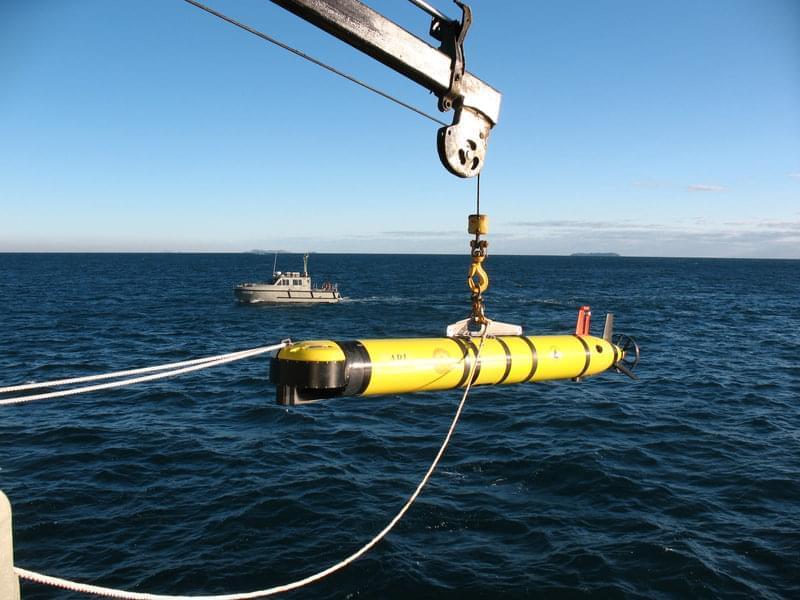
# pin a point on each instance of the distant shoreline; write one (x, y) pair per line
(300, 253)
(594, 254)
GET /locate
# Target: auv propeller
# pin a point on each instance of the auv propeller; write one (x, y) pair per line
(630, 357)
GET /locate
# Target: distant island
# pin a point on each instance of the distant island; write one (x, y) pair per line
(594, 254)
(258, 251)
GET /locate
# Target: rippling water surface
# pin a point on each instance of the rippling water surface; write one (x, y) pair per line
(685, 484)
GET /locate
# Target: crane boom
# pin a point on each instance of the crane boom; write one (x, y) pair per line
(476, 105)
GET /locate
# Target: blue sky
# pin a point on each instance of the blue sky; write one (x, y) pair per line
(646, 128)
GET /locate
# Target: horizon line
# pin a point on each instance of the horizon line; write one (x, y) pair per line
(211, 252)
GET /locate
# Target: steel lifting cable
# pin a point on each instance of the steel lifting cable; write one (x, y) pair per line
(186, 366)
(477, 277)
(124, 595)
(316, 61)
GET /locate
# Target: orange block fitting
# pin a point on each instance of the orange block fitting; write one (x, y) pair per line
(584, 320)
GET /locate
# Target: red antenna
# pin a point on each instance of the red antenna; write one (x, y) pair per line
(584, 320)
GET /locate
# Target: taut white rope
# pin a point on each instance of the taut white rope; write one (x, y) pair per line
(123, 595)
(205, 364)
(59, 382)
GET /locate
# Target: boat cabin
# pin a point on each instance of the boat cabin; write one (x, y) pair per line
(292, 280)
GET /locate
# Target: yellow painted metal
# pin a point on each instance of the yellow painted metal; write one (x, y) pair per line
(313, 351)
(399, 366)
(477, 278)
(522, 362)
(565, 356)
(411, 365)
(492, 362)
(478, 225)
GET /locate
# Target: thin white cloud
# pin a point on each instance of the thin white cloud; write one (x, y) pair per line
(574, 225)
(694, 237)
(704, 187)
(419, 234)
(794, 175)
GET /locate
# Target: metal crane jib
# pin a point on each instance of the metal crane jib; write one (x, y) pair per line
(475, 104)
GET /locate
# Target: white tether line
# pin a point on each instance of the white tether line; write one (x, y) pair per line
(59, 382)
(123, 595)
(194, 365)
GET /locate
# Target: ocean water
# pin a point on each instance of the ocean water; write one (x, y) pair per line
(683, 484)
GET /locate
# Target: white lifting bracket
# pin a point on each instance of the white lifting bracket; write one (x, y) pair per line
(475, 104)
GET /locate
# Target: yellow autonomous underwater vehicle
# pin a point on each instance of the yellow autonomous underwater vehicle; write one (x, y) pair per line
(315, 370)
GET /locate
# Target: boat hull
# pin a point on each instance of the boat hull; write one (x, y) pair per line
(256, 295)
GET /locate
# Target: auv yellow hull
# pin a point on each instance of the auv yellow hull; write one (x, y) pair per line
(313, 370)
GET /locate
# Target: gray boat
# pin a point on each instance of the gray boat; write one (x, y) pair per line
(288, 287)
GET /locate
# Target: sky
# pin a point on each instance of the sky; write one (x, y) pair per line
(643, 128)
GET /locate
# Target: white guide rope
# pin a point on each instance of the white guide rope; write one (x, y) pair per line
(186, 366)
(59, 382)
(123, 595)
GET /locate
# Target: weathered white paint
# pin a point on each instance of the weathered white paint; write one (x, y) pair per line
(9, 584)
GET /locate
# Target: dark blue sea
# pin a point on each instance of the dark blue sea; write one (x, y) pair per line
(685, 484)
